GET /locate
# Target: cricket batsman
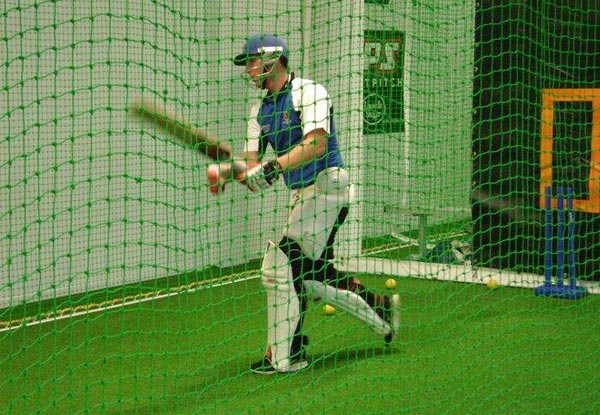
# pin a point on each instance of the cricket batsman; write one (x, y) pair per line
(296, 119)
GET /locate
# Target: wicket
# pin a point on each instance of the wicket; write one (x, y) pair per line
(559, 290)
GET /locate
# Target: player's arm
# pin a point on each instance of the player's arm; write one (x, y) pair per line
(265, 174)
(262, 175)
(315, 106)
(312, 147)
(316, 109)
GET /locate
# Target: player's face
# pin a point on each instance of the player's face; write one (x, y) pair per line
(254, 69)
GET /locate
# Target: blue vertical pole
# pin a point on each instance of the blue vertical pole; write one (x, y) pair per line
(548, 236)
(571, 240)
(560, 256)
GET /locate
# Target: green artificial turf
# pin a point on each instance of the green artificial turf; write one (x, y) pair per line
(463, 349)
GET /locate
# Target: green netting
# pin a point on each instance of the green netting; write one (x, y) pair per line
(127, 287)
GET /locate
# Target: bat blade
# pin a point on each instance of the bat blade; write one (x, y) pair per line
(181, 130)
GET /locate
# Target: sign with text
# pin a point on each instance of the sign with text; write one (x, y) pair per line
(383, 107)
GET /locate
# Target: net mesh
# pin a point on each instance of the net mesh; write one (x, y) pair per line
(127, 287)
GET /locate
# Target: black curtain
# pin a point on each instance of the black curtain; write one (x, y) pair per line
(522, 47)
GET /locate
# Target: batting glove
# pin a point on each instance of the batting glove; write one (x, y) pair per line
(263, 175)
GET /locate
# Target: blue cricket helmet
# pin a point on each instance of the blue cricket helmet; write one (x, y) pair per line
(268, 46)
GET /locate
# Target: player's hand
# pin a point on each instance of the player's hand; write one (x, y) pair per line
(263, 176)
(218, 174)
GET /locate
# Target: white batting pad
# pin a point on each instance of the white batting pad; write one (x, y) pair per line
(349, 302)
(283, 305)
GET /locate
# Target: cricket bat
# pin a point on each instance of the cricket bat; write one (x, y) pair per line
(181, 130)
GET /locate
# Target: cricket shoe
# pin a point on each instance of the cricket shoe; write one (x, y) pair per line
(391, 314)
(297, 360)
(264, 367)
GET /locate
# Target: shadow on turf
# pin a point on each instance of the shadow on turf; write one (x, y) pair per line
(207, 388)
(347, 356)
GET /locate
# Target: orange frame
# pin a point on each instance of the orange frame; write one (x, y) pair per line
(549, 97)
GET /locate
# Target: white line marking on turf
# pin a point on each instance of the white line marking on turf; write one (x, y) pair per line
(125, 304)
